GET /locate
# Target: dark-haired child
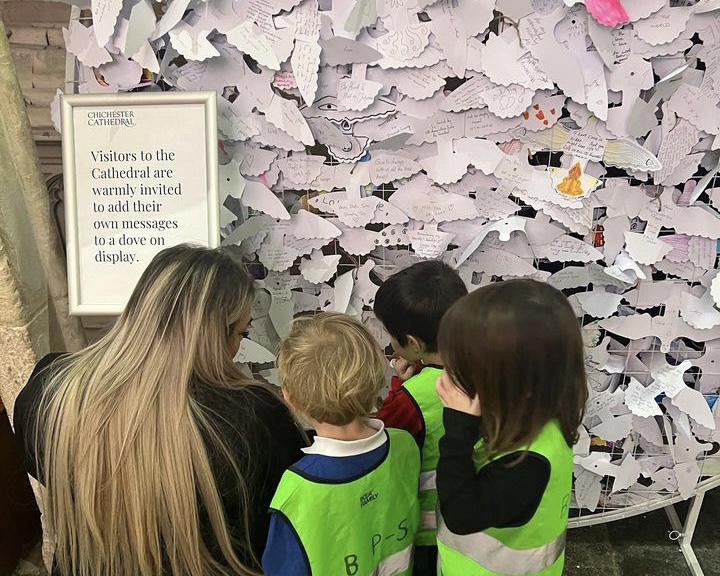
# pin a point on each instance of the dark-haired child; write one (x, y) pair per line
(514, 390)
(410, 304)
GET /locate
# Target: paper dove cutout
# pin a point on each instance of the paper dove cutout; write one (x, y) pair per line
(429, 242)
(620, 152)
(305, 58)
(431, 203)
(259, 197)
(192, 43)
(250, 351)
(338, 50)
(504, 228)
(385, 166)
(359, 241)
(365, 288)
(81, 42)
(453, 23)
(342, 292)
(257, 35)
(105, 15)
(454, 157)
(666, 329)
(357, 211)
(230, 182)
(406, 37)
(319, 268)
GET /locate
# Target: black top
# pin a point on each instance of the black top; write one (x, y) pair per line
(255, 424)
(500, 495)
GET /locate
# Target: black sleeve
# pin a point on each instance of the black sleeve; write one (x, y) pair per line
(286, 439)
(278, 446)
(501, 495)
(25, 414)
(263, 440)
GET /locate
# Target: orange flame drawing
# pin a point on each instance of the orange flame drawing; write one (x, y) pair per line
(571, 186)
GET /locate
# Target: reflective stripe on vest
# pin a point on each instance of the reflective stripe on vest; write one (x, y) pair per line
(421, 388)
(494, 556)
(428, 521)
(395, 564)
(428, 480)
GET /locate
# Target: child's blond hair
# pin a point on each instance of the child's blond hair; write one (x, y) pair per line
(331, 368)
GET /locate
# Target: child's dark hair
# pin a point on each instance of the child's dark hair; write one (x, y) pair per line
(413, 301)
(517, 345)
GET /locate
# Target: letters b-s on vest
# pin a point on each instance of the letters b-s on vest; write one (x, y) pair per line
(361, 527)
(536, 548)
(385, 565)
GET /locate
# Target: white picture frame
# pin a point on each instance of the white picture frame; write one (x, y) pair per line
(132, 203)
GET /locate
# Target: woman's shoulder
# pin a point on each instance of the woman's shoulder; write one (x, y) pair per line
(253, 414)
(46, 362)
(266, 398)
(26, 409)
(245, 403)
(251, 393)
(36, 383)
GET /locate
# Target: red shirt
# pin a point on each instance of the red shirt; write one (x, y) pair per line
(398, 410)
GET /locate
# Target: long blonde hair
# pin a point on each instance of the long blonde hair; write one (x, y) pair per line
(122, 439)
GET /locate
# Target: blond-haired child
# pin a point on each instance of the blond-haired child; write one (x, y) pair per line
(349, 506)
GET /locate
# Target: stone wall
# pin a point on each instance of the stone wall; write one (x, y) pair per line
(35, 34)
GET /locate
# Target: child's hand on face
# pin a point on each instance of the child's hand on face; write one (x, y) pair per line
(403, 369)
(453, 397)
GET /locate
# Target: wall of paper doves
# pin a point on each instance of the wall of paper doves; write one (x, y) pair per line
(576, 142)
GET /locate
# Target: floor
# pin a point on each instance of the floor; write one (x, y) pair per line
(637, 546)
(640, 546)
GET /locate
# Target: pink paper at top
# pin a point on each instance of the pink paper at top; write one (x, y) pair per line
(607, 12)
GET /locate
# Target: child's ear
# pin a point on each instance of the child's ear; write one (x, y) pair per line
(286, 397)
(415, 344)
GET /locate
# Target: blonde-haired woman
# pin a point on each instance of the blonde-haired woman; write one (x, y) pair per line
(158, 455)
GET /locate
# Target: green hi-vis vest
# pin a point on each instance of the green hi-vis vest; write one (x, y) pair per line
(362, 527)
(537, 547)
(421, 388)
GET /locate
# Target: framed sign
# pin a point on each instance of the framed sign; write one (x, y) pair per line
(140, 173)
